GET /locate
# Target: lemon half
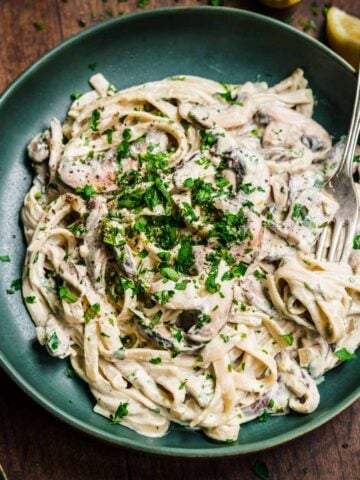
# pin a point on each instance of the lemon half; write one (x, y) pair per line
(343, 33)
(279, 3)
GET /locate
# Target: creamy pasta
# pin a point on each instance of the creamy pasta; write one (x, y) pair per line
(171, 229)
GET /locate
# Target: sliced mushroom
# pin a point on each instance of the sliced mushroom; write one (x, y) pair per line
(38, 149)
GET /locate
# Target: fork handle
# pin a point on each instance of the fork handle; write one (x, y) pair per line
(353, 135)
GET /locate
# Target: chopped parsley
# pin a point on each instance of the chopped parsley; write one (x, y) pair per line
(143, 254)
(164, 296)
(76, 95)
(169, 273)
(177, 334)
(30, 299)
(228, 95)
(39, 25)
(121, 411)
(210, 283)
(95, 120)
(142, 3)
(92, 66)
(225, 338)
(207, 139)
(109, 134)
(259, 275)
(91, 312)
(185, 259)
(263, 417)
(299, 211)
(53, 342)
(307, 24)
(288, 338)
(66, 295)
(356, 242)
(86, 192)
(344, 355)
(155, 361)
(181, 286)
(15, 286)
(70, 372)
(4, 258)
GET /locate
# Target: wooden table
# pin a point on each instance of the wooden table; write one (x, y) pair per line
(36, 446)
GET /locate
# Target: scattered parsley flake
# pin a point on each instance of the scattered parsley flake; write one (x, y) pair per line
(344, 355)
(53, 342)
(91, 312)
(95, 120)
(39, 25)
(155, 361)
(121, 411)
(31, 299)
(263, 417)
(142, 3)
(259, 275)
(356, 242)
(70, 372)
(66, 295)
(288, 338)
(307, 25)
(15, 286)
(86, 192)
(4, 258)
(76, 95)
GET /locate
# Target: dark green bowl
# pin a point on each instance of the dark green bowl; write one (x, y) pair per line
(224, 44)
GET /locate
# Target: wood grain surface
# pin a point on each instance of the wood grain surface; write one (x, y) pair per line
(36, 446)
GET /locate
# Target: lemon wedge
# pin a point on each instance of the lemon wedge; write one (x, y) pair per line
(343, 33)
(279, 3)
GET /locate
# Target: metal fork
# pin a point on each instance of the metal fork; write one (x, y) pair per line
(343, 190)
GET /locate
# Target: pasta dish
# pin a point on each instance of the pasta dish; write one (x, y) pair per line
(171, 229)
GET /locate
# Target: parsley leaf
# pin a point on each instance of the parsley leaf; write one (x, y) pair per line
(155, 361)
(66, 295)
(185, 258)
(210, 282)
(356, 242)
(86, 192)
(4, 258)
(31, 299)
(91, 312)
(299, 211)
(53, 342)
(121, 411)
(288, 338)
(15, 286)
(170, 273)
(344, 355)
(95, 120)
